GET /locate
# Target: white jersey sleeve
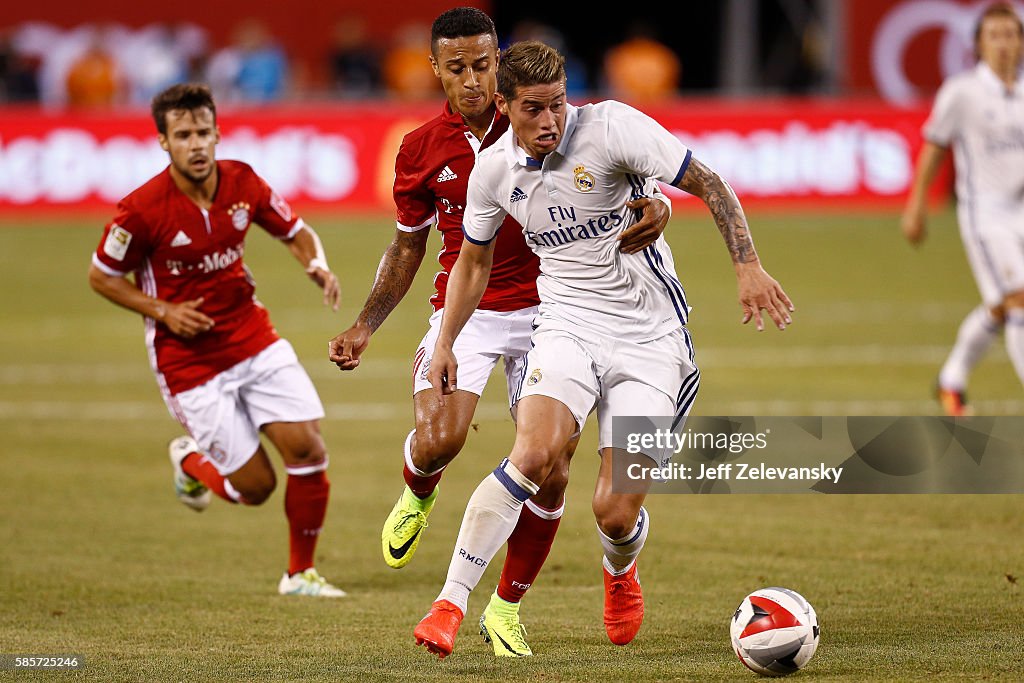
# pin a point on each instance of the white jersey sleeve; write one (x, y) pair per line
(640, 145)
(483, 215)
(945, 118)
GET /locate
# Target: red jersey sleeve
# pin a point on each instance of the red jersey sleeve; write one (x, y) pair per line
(414, 201)
(125, 243)
(273, 213)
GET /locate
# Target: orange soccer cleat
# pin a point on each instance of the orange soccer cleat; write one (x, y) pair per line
(623, 605)
(953, 402)
(437, 630)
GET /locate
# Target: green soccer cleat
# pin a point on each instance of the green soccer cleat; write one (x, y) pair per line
(499, 625)
(309, 583)
(189, 491)
(404, 527)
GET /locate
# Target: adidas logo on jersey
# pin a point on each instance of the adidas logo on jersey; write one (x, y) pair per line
(446, 175)
(181, 240)
(517, 194)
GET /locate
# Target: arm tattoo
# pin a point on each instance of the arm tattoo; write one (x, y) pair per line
(701, 181)
(395, 274)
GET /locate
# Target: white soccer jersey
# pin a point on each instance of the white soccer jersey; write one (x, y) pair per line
(984, 123)
(573, 207)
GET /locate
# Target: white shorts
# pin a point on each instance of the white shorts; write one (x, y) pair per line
(994, 244)
(487, 336)
(617, 377)
(224, 415)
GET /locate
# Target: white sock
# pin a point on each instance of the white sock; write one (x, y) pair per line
(977, 332)
(1015, 340)
(620, 553)
(491, 515)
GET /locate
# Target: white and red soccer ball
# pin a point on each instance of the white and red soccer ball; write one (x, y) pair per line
(774, 631)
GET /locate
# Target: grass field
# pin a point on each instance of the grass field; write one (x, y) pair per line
(99, 559)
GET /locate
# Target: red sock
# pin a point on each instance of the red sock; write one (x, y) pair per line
(420, 485)
(201, 468)
(528, 547)
(305, 506)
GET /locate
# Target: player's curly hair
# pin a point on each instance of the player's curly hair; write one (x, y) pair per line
(461, 22)
(528, 62)
(187, 96)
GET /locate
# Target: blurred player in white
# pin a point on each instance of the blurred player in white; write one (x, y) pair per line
(611, 333)
(980, 114)
(431, 175)
(221, 367)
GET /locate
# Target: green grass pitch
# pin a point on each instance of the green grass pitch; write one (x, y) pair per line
(99, 559)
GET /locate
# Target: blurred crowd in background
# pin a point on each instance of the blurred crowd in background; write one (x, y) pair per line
(97, 65)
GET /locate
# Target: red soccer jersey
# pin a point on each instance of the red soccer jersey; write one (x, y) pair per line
(431, 175)
(180, 252)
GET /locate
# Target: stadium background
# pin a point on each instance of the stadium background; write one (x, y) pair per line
(811, 109)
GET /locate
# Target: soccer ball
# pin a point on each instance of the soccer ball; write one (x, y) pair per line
(774, 631)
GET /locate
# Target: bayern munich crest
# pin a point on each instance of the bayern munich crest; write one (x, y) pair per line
(583, 179)
(239, 215)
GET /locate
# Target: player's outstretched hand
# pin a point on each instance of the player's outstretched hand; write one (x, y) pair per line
(327, 281)
(760, 292)
(645, 231)
(345, 349)
(443, 372)
(913, 225)
(185, 319)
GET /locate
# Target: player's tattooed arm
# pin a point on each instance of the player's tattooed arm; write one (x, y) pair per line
(395, 275)
(701, 181)
(758, 291)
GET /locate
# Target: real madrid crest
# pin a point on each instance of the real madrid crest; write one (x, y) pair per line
(535, 377)
(583, 179)
(239, 215)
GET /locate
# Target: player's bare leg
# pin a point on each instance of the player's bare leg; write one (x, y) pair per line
(544, 428)
(253, 482)
(622, 525)
(439, 435)
(306, 495)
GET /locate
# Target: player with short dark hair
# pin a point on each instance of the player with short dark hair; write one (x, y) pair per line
(611, 335)
(980, 114)
(431, 173)
(223, 371)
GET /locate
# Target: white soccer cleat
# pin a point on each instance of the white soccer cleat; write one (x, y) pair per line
(308, 582)
(191, 492)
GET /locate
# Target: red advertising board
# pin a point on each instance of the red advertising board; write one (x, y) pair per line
(794, 152)
(903, 49)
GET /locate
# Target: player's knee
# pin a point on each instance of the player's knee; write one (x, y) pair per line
(614, 520)
(536, 462)
(309, 454)
(257, 490)
(435, 448)
(553, 488)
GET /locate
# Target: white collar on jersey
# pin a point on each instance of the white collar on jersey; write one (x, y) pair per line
(990, 79)
(515, 154)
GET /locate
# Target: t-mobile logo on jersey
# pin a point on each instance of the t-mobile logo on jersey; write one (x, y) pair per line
(220, 261)
(478, 561)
